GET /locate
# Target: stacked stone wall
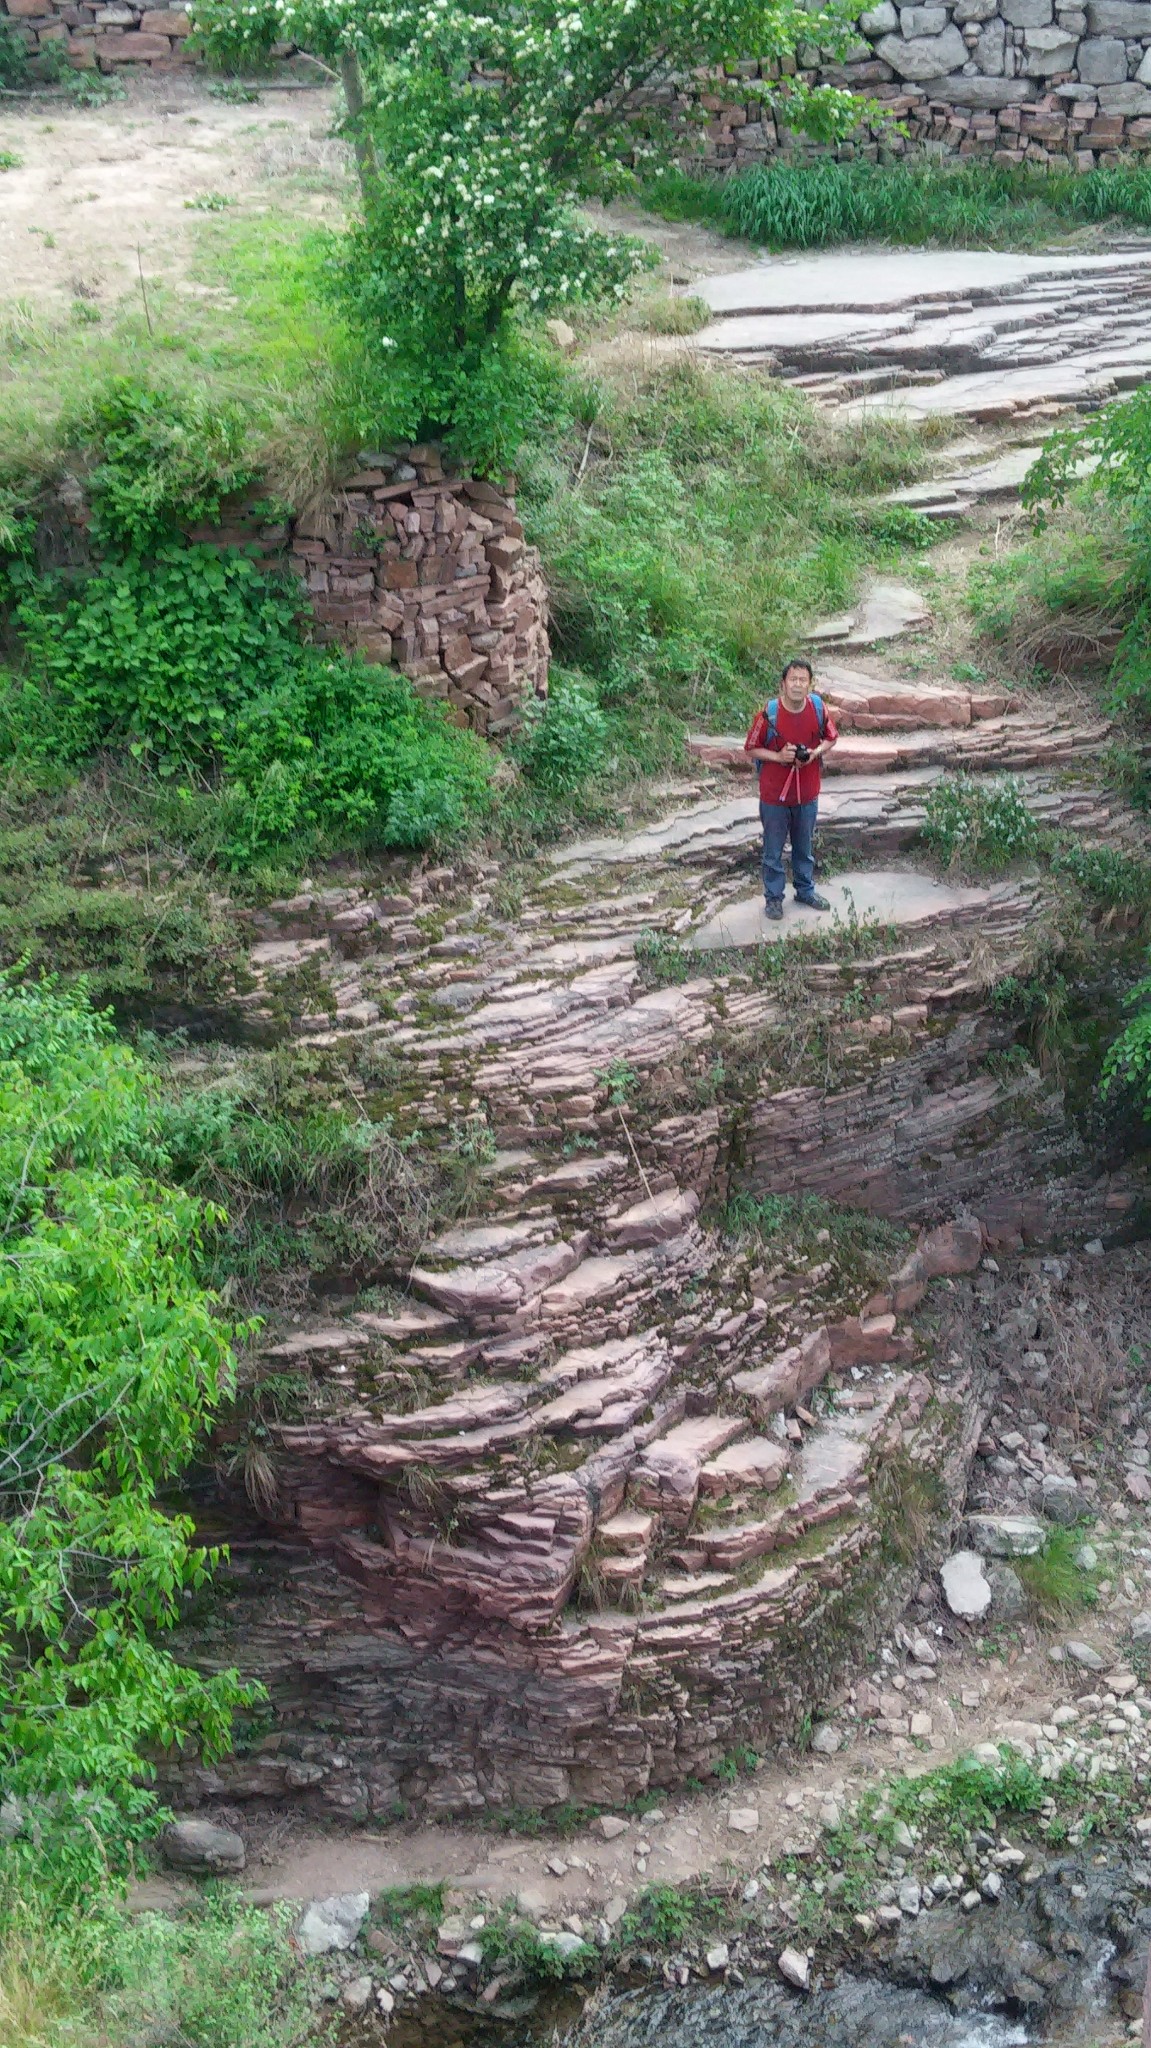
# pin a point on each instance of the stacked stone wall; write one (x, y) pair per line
(416, 570)
(1022, 81)
(101, 37)
(430, 574)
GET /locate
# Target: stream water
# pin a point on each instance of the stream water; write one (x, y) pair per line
(1047, 1969)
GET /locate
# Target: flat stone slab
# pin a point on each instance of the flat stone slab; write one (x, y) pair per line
(886, 280)
(885, 896)
(884, 612)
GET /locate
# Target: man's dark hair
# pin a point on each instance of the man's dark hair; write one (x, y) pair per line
(800, 661)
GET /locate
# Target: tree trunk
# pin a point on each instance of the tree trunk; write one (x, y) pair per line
(365, 149)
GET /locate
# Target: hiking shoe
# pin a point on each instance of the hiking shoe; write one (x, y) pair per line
(814, 902)
(773, 909)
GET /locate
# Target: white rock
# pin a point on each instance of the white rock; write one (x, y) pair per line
(717, 1957)
(564, 1942)
(356, 1994)
(923, 1651)
(744, 1819)
(910, 1898)
(333, 1923)
(795, 1968)
(614, 1911)
(992, 1885)
(750, 1890)
(385, 2000)
(965, 1587)
(826, 1739)
(610, 1825)
(969, 1901)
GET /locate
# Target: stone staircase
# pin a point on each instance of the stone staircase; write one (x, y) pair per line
(973, 335)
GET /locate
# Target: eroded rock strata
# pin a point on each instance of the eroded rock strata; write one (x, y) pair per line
(600, 1494)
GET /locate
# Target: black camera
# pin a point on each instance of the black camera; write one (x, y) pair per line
(802, 754)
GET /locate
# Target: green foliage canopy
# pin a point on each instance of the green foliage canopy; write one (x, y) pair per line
(477, 134)
(113, 1361)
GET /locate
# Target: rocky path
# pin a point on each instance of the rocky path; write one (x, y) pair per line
(962, 334)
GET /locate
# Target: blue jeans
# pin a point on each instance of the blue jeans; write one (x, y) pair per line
(778, 821)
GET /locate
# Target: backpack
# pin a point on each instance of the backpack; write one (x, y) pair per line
(772, 714)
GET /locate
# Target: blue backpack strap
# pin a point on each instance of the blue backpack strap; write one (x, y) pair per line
(772, 714)
(820, 713)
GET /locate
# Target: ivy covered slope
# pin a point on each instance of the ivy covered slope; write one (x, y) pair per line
(190, 657)
(113, 1361)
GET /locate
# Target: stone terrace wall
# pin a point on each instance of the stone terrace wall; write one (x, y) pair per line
(1020, 80)
(430, 574)
(100, 37)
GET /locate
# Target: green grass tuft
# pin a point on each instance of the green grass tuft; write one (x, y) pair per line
(972, 205)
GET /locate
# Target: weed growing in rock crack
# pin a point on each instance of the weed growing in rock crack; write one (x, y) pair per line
(514, 1946)
(1055, 1584)
(863, 1246)
(736, 1763)
(666, 1915)
(620, 1081)
(662, 961)
(982, 827)
(910, 1502)
(410, 1908)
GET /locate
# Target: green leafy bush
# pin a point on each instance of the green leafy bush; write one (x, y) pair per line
(113, 1362)
(192, 657)
(980, 826)
(1128, 1062)
(353, 754)
(563, 740)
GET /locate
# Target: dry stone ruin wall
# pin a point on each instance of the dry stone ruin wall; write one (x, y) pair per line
(430, 574)
(1025, 80)
(103, 36)
(1020, 80)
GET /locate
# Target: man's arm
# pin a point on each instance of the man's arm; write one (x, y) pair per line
(755, 750)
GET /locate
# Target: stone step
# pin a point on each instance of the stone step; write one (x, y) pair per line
(995, 742)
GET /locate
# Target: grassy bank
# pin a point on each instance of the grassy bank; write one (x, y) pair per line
(962, 206)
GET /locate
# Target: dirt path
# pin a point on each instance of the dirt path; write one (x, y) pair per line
(94, 187)
(976, 1694)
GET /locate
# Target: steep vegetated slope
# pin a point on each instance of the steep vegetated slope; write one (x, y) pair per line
(588, 1422)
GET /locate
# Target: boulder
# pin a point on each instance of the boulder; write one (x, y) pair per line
(795, 1968)
(192, 1844)
(965, 1586)
(1027, 13)
(1062, 1500)
(924, 56)
(1048, 50)
(881, 20)
(1008, 1599)
(331, 1924)
(1006, 1535)
(1083, 1655)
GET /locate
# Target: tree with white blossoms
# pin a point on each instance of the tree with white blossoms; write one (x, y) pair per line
(477, 135)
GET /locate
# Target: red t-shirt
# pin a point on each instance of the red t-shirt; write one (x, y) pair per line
(799, 783)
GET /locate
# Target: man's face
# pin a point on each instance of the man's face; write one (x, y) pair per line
(796, 685)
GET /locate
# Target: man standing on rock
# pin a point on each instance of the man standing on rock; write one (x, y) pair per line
(789, 738)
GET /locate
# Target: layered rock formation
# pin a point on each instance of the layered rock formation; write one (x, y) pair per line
(598, 1492)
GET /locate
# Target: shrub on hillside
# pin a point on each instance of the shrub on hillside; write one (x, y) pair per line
(113, 1362)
